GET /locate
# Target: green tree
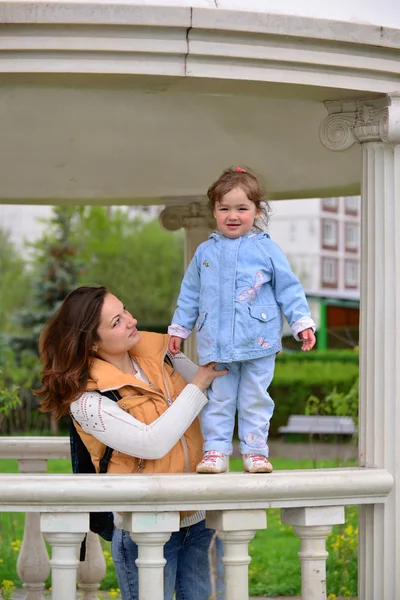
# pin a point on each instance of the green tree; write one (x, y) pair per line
(55, 275)
(15, 282)
(56, 269)
(139, 262)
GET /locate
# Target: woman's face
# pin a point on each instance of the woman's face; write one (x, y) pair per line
(117, 329)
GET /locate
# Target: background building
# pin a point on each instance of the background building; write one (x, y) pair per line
(321, 238)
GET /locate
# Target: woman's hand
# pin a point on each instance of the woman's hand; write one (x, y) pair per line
(205, 376)
(174, 345)
(308, 339)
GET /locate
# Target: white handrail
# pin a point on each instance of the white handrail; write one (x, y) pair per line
(158, 493)
(34, 447)
(312, 501)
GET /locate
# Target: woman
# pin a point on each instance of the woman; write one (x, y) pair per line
(92, 345)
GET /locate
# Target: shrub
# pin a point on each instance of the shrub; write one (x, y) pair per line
(301, 375)
(18, 406)
(330, 356)
(336, 403)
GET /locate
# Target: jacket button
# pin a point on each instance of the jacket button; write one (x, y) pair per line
(264, 316)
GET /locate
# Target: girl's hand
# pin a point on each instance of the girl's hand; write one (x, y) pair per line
(205, 375)
(308, 338)
(174, 344)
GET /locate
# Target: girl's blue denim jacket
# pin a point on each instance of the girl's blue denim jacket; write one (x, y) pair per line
(234, 293)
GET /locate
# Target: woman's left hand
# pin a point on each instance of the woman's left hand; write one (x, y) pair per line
(308, 339)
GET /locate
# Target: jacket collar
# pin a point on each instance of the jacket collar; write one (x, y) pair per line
(217, 235)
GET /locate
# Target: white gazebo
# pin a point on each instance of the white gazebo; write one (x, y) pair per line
(145, 102)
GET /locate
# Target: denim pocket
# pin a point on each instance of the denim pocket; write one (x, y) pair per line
(263, 313)
(265, 325)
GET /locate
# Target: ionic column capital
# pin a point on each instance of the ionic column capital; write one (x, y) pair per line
(360, 121)
(192, 215)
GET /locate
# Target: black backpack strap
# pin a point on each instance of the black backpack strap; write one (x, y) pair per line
(112, 395)
(80, 457)
(168, 360)
(82, 550)
(105, 459)
(100, 523)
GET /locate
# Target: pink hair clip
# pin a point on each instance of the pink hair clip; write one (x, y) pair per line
(240, 170)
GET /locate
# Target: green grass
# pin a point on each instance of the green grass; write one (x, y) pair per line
(53, 466)
(274, 569)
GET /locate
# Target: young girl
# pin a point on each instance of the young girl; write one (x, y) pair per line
(234, 291)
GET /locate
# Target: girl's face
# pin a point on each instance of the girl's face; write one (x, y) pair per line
(117, 329)
(235, 213)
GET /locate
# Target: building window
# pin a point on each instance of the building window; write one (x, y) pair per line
(352, 205)
(330, 204)
(351, 237)
(329, 234)
(351, 274)
(329, 269)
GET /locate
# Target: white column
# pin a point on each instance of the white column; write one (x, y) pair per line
(92, 570)
(376, 125)
(64, 532)
(379, 541)
(33, 566)
(236, 528)
(198, 223)
(313, 525)
(151, 531)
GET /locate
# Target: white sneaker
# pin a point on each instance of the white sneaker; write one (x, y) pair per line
(256, 463)
(212, 462)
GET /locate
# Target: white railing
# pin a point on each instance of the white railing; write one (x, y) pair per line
(311, 501)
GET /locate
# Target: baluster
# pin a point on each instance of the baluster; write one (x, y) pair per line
(64, 532)
(150, 531)
(33, 566)
(313, 525)
(93, 569)
(236, 528)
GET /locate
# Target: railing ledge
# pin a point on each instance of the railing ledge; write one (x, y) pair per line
(34, 447)
(159, 493)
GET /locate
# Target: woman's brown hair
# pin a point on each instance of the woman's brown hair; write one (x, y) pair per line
(66, 349)
(238, 177)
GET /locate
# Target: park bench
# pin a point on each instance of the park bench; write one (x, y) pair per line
(319, 425)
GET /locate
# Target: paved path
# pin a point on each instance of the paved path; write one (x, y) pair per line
(313, 450)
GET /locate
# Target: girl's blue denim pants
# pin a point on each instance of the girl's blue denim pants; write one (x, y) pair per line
(187, 572)
(245, 389)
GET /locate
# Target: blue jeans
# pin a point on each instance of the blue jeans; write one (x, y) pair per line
(245, 388)
(187, 571)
